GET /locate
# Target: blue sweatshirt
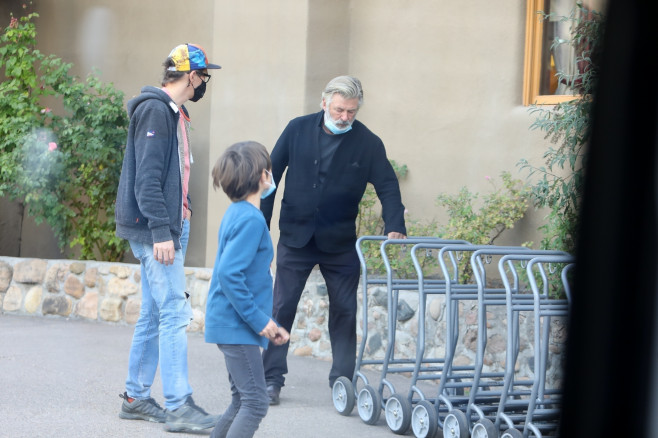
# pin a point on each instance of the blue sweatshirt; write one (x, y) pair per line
(239, 302)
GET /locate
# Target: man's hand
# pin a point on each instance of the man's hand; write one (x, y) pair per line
(282, 336)
(164, 252)
(396, 235)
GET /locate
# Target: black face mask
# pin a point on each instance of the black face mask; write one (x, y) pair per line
(198, 91)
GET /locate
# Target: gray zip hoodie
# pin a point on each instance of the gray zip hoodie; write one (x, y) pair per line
(149, 205)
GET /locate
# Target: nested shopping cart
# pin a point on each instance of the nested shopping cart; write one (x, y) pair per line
(398, 405)
(490, 391)
(528, 406)
(347, 392)
(428, 414)
(344, 389)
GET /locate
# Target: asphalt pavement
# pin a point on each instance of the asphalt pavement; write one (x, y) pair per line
(62, 378)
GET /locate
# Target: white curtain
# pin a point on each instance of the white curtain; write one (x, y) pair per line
(564, 54)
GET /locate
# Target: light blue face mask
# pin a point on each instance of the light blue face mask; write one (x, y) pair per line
(272, 188)
(332, 126)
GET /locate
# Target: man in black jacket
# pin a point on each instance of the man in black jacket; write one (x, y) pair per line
(330, 158)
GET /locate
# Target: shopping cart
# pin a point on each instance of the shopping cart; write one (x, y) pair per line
(346, 392)
(398, 407)
(448, 405)
(529, 406)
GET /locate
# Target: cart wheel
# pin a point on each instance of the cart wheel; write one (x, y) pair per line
(512, 433)
(455, 425)
(424, 420)
(369, 405)
(398, 414)
(343, 395)
(484, 428)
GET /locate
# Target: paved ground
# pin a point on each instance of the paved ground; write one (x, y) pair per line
(62, 378)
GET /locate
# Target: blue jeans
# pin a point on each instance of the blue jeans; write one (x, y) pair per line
(160, 330)
(249, 400)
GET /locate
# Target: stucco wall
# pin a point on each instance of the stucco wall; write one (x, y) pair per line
(442, 83)
(126, 41)
(443, 91)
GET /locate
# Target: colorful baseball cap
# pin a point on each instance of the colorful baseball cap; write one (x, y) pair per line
(188, 57)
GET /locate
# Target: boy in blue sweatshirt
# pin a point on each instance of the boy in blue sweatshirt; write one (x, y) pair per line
(239, 308)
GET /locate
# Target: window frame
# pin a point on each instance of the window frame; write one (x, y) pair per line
(532, 60)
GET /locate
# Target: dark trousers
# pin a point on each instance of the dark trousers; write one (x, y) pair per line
(249, 401)
(341, 274)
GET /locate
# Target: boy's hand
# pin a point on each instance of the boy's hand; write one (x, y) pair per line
(278, 335)
(270, 330)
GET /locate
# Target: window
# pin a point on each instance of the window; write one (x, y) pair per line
(542, 61)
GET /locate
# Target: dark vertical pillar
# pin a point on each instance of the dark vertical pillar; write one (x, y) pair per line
(609, 369)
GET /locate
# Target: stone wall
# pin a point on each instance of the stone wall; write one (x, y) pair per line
(111, 293)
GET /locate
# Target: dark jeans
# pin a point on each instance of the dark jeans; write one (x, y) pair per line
(249, 401)
(341, 273)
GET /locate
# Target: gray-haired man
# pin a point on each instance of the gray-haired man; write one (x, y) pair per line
(330, 157)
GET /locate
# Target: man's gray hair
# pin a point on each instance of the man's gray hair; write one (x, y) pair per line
(347, 86)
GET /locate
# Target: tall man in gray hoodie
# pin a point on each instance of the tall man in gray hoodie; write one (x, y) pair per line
(153, 213)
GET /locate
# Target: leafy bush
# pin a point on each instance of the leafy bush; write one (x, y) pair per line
(567, 125)
(501, 209)
(62, 163)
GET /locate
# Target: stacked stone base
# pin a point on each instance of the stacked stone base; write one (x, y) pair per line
(111, 293)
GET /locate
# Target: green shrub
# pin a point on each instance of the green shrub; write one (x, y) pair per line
(501, 209)
(567, 125)
(482, 225)
(61, 162)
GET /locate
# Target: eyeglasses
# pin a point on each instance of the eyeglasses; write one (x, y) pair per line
(205, 77)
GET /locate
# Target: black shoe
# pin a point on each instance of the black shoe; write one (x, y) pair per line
(147, 410)
(273, 393)
(189, 418)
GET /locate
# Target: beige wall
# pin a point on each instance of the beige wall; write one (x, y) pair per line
(442, 81)
(442, 84)
(127, 41)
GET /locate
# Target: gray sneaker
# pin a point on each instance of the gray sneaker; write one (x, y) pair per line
(189, 418)
(148, 410)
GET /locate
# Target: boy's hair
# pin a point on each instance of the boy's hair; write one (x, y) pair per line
(239, 169)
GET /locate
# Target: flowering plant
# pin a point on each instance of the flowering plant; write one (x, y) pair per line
(61, 162)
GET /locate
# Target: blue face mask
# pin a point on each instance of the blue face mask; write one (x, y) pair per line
(272, 188)
(332, 126)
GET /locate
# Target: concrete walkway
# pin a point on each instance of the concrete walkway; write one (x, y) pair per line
(62, 378)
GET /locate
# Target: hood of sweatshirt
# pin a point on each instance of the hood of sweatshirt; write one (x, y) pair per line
(147, 93)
